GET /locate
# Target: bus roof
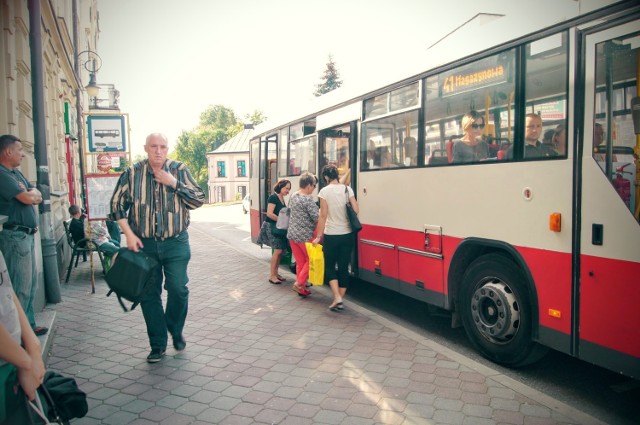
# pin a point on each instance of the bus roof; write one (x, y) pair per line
(482, 33)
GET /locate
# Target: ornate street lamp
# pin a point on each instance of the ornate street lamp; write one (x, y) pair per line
(92, 64)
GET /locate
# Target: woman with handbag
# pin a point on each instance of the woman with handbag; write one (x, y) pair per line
(302, 223)
(338, 234)
(268, 235)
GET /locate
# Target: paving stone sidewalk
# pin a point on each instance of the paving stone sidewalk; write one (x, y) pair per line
(259, 354)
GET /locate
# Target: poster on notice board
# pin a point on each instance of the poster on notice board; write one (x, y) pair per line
(99, 190)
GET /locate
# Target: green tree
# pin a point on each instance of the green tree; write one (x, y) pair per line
(192, 148)
(255, 118)
(330, 79)
(139, 157)
(217, 125)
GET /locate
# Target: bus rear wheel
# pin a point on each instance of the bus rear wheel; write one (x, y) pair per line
(497, 313)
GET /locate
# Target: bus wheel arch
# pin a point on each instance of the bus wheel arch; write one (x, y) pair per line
(495, 299)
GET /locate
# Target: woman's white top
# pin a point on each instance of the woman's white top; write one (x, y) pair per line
(336, 199)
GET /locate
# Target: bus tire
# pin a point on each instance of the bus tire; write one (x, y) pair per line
(497, 313)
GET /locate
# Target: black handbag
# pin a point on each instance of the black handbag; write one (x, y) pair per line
(66, 401)
(130, 275)
(354, 221)
(9, 398)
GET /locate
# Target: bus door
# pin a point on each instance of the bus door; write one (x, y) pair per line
(264, 168)
(606, 330)
(337, 147)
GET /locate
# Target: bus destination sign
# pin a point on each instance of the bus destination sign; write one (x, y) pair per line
(484, 73)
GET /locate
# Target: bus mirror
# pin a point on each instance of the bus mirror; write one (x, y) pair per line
(635, 114)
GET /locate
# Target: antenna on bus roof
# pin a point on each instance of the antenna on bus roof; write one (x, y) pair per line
(477, 16)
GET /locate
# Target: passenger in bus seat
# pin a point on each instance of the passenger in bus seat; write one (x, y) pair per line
(533, 148)
(471, 147)
(383, 158)
(339, 239)
(410, 152)
(559, 140)
(369, 155)
(302, 224)
(599, 145)
(547, 139)
(344, 170)
(449, 148)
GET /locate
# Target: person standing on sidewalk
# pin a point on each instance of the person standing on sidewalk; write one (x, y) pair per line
(17, 241)
(302, 223)
(275, 203)
(151, 203)
(19, 349)
(339, 239)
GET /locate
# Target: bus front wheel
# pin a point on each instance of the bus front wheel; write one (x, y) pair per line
(497, 313)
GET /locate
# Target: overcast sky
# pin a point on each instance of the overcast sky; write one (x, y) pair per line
(170, 59)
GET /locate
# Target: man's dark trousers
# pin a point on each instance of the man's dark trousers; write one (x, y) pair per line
(173, 255)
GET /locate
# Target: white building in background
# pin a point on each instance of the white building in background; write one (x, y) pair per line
(229, 168)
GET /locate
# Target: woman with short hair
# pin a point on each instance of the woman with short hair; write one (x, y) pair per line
(302, 223)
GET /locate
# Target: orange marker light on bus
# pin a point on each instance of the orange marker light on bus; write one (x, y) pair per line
(555, 313)
(555, 222)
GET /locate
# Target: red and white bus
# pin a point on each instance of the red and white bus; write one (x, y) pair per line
(527, 253)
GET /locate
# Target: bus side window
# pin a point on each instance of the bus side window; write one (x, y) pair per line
(390, 141)
(546, 97)
(483, 93)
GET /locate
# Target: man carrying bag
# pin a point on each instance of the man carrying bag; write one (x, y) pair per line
(151, 203)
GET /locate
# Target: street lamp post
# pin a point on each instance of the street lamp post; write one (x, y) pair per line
(91, 62)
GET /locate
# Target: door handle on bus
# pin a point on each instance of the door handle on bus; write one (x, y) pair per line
(597, 234)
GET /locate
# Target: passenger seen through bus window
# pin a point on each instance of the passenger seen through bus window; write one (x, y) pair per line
(533, 148)
(559, 140)
(410, 152)
(599, 146)
(470, 147)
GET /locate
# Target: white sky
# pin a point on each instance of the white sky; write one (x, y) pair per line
(172, 59)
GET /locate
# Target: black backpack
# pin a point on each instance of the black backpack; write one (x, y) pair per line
(130, 276)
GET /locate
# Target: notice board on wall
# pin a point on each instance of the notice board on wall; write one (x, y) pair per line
(99, 191)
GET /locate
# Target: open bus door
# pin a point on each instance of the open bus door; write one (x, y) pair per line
(264, 167)
(607, 289)
(337, 146)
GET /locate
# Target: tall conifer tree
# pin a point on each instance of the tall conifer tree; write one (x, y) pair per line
(331, 79)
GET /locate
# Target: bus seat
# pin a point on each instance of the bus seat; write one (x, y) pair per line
(504, 147)
(449, 147)
(438, 157)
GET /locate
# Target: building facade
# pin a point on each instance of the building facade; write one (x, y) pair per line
(43, 105)
(229, 168)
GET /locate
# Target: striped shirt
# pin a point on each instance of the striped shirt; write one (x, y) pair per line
(155, 210)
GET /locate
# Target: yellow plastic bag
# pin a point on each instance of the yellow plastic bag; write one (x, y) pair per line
(316, 264)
